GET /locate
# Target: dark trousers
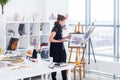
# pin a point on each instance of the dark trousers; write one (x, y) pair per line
(64, 75)
(60, 58)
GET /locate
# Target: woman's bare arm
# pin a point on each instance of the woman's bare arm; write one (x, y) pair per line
(51, 39)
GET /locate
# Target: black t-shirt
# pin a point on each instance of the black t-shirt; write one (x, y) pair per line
(58, 31)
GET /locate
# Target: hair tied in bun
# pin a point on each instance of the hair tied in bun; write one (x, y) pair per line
(59, 15)
(60, 18)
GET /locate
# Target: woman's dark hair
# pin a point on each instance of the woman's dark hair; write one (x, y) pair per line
(60, 18)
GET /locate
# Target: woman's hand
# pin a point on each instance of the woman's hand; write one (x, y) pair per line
(68, 37)
(64, 40)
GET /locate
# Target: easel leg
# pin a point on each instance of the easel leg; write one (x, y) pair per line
(92, 50)
(89, 54)
(83, 54)
(77, 53)
(70, 55)
(91, 46)
(83, 69)
(74, 73)
(80, 72)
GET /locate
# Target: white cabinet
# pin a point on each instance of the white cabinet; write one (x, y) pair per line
(33, 33)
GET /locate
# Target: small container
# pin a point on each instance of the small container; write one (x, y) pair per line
(38, 57)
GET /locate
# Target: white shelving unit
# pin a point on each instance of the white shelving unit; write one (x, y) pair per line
(35, 32)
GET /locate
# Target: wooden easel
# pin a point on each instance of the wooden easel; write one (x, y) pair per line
(78, 29)
(81, 65)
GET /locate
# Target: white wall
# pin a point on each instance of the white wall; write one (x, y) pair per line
(56, 7)
(24, 7)
(44, 7)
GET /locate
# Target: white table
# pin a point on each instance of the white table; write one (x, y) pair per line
(35, 69)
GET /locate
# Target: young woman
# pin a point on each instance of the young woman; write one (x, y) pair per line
(57, 49)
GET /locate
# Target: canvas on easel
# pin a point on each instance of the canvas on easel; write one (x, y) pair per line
(88, 33)
(75, 40)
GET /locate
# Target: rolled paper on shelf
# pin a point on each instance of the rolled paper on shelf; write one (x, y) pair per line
(75, 30)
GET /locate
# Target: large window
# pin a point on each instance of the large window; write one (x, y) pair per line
(119, 27)
(119, 41)
(102, 11)
(105, 12)
(119, 12)
(77, 10)
(102, 39)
